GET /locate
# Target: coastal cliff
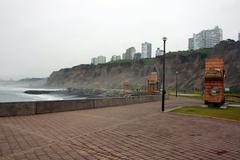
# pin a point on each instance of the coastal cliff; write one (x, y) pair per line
(189, 64)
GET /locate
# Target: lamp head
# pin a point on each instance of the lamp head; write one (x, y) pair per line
(164, 38)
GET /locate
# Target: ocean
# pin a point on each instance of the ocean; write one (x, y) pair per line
(10, 93)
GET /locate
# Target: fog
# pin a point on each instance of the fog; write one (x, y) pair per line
(40, 36)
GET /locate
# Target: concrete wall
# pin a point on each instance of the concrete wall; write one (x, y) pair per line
(40, 107)
(17, 109)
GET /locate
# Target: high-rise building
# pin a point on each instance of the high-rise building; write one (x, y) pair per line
(205, 39)
(101, 59)
(146, 50)
(118, 58)
(115, 58)
(98, 60)
(213, 37)
(129, 53)
(239, 36)
(94, 61)
(158, 52)
(123, 56)
(190, 43)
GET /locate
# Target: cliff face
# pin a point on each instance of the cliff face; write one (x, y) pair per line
(102, 76)
(230, 51)
(189, 65)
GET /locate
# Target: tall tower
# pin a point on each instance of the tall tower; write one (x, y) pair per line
(190, 43)
(206, 38)
(130, 53)
(146, 50)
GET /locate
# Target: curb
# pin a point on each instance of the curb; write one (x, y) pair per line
(233, 105)
(171, 109)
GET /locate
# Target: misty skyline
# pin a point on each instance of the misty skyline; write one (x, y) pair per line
(41, 36)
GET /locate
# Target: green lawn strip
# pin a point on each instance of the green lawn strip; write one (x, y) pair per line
(229, 113)
(195, 96)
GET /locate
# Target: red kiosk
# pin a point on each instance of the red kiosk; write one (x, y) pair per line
(214, 81)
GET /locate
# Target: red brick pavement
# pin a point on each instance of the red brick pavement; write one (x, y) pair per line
(137, 131)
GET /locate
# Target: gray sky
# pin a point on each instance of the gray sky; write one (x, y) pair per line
(40, 36)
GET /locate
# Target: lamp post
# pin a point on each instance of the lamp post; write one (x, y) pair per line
(163, 78)
(176, 83)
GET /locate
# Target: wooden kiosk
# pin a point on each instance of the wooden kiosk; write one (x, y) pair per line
(214, 81)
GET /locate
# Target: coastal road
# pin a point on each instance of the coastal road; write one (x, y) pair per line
(138, 131)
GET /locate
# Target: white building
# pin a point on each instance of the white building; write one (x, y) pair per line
(98, 60)
(118, 58)
(146, 50)
(190, 43)
(115, 58)
(94, 61)
(205, 39)
(123, 56)
(129, 53)
(158, 52)
(101, 59)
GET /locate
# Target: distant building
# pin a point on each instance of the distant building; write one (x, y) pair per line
(146, 50)
(137, 56)
(115, 58)
(239, 36)
(129, 53)
(190, 44)
(101, 59)
(118, 58)
(205, 39)
(158, 52)
(98, 60)
(94, 61)
(123, 56)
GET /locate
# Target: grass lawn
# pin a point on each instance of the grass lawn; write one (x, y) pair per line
(229, 113)
(229, 97)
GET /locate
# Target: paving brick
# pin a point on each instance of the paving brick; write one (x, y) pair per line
(138, 131)
(14, 141)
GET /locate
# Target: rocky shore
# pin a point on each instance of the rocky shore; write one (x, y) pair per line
(87, 93)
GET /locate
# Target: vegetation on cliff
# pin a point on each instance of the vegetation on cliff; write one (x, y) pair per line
(189, 64)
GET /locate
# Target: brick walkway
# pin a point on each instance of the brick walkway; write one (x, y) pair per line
(138, 131)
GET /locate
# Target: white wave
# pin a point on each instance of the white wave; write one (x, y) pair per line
(13, 94)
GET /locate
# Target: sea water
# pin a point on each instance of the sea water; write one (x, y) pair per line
(10, 93)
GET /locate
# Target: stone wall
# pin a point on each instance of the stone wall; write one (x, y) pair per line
(40, 107)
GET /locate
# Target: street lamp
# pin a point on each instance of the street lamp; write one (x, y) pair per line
(176, 83)
(163, 78)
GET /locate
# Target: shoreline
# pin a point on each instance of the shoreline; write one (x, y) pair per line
(14, 93)
(75, 93)
(72, 93)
